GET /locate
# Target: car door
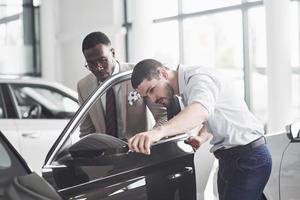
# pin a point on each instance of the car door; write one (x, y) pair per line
(99, 166)
(16, 180)
(43, 112)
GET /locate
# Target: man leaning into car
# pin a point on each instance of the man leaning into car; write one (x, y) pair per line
(112, 114)
(238, 142)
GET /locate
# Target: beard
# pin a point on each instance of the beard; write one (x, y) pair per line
(170, 94)
(165, 101)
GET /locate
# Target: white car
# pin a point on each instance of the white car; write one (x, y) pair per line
(33, 113)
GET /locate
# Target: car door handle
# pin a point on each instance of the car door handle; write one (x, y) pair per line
(30, 135)
(184, 172)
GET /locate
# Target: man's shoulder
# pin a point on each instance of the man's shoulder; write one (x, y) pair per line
(126, 66)
(88, 79)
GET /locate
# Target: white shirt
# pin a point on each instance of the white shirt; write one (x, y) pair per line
(229, 119)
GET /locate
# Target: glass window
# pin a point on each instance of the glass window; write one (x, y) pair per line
(295, 34)
(167, 42)
(258, 62)
(165, 8)
(197, 6)
(44, 102)
(10, 166)
(5, 161)
(17, 38)
(216, 41)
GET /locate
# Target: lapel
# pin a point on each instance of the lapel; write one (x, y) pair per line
(97, 112)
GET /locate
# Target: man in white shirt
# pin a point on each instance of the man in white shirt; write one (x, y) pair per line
(210, 100)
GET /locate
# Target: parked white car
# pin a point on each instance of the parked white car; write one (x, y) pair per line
(33, 113)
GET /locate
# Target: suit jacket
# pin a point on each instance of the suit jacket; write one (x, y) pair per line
(131, 119)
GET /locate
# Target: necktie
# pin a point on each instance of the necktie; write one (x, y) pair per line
(111, 114)
(173, 108)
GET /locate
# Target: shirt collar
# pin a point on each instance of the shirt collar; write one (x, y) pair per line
(116, 67)
(180, 79)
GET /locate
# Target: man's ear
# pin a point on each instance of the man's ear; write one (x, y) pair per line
(164, 73)
(113, 52)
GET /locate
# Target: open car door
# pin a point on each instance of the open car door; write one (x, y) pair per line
(99, 166)
(17, 182)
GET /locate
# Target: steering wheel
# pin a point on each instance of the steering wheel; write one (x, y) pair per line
(35, 111)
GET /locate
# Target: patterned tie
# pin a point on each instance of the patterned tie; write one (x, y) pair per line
(173, 108)
(111, 114)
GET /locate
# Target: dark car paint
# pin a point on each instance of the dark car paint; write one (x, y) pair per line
(18, 182)
(168, 171)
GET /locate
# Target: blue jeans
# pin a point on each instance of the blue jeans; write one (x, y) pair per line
(243, 176)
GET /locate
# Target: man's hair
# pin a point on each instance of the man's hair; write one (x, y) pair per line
(145, 69)
(94, 38)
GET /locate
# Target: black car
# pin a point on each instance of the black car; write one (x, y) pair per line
(100, 166)
(17, 182)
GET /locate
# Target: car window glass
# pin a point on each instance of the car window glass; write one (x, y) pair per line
(43, 102)
(1, 105)
(5, 161)
(140, 119)
(10, 165)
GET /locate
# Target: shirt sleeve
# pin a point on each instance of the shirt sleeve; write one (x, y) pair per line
(203, 89)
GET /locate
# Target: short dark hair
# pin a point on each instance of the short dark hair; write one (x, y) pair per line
(94, 38)
(145, 69)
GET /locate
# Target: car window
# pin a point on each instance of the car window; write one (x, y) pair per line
(140, 119)
(5, 161)
(10, 165)
(1, 105)
(43, 102)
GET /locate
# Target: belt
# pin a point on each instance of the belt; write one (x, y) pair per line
(240, 149)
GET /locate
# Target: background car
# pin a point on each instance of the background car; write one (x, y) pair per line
(284, 183)
(99, 166)
(17, 181)
(33, 112)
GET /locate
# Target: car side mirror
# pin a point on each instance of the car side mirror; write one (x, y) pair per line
(293, 131)
(98, 144)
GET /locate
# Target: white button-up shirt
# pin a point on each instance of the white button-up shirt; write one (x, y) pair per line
(229, 119)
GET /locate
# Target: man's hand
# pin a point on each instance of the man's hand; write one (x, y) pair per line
(197, 141)
(142, 142)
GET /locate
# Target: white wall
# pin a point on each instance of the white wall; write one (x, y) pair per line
(64, 24)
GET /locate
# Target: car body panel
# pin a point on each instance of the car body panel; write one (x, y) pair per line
(290, 172)
(284, 182)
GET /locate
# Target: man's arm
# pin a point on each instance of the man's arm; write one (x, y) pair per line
(201, 138)
(192, 116)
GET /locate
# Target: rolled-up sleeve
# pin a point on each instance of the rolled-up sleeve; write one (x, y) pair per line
(203, 89)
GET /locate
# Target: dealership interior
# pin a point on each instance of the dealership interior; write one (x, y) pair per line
(254, 42)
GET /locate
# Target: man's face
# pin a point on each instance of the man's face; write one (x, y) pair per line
(100, 61)
(158, 91)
